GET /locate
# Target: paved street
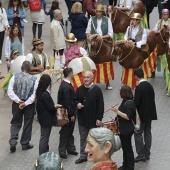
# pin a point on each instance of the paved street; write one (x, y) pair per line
(23, 160)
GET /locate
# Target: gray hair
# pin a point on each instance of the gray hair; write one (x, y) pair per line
(56, 13)
(48, 161)
(102, 135)
(26, 65)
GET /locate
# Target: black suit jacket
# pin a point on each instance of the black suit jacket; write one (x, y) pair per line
(66, 97)
(145, 101)
(46, 110)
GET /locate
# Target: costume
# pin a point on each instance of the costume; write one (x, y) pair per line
(126, 3)
(105, 166)
(22, 86)
(66, 97)
(92, 99)
(57, 36)
(126, 129)
(102, 26)
(145, 104)
(161, 23)
(47, 118)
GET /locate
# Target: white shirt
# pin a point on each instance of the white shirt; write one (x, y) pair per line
(163, 23)
(134, 31)
(67, 81)
(15, 98)
(29, 58)
(125, 3)
(82, 51)
(3, 20)
(99, 31)
(142, 80)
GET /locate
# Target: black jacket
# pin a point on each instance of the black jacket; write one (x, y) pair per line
(46, 110)
(145, 101)
(66, 97)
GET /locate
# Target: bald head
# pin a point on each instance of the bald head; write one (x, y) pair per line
(88, 78)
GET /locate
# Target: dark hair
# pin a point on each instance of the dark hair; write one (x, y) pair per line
(67, 71)
(10, 4)
(11, 35)
(126, 92)
(26, 65)
(44, 82)
(139, 73)
(54, 5)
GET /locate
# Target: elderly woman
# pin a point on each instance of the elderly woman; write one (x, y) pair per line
(48, 160)
(78, 24)
(126, 116)
(101, 144)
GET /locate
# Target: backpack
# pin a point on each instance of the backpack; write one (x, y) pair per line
(35, 5)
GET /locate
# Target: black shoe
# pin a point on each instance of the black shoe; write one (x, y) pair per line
(63, 156)
(122, 168)
(147, 158)
(12, 148)
(78, 161)
(139, 158)
(27, 147)
(73, 153)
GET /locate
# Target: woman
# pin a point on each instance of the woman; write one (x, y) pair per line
(126, 116)
(54, 6)
(38, 18)
(101, 144)
(16, 14)
(78, 24)
(3, 27)
(14, 42)
(46, 110)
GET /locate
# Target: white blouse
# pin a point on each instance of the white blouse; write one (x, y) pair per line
(3, 19)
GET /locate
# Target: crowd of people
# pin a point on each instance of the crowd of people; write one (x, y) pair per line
(87, 102)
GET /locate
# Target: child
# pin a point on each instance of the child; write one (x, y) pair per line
(4, 84)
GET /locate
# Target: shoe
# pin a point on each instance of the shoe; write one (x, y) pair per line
(78, 161)
(27, 147)
(139, 158)
(147, 158)
(109, 88)
(12, 148)
(63, 156)
(122, 168)
(73, 153)
(0, 62)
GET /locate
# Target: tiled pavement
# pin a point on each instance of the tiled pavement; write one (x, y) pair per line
(23, 160)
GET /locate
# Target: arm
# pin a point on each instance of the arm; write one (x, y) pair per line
(121, 114)
(22, 13)
(23, 48)
(7, 47)
(126, 34)
(55, 35)
(83, 52)
(100, 104)
(143, 41)
(89, 8)
(47, 63)
(137, 98)
(156, 27)
(9, 16)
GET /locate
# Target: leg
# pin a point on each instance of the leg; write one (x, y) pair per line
(108, 87)
(83, 135)
(1, 42)
(44, 139)
(147, 139)
(139, 140)
(34, 27)
(69, 5)
(29, 112)
(16, 124)
(39, 31)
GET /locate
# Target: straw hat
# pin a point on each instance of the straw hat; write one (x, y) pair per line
(70, 37)
(136, 16)
(37, 42)
(100, 7)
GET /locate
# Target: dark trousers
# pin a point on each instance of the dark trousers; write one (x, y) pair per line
(1, 42)
(44, 139)
(143, 145)
(83, 136)
(16, 124)
(128, 155)
(34, 28)
(66, 142)
(69, 4)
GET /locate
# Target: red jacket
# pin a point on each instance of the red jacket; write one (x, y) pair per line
(90, 6)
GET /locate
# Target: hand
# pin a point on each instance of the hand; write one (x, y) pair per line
(15, 15)
(1, 76)
(18, 15)
(72, 119)
(57, 106)
(22, 105)
(80, 106)
(20, 102)
(8, 64)
(115, 109)
(40, 67)
(98, 123)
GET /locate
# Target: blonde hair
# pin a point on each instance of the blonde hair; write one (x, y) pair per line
(76, 8)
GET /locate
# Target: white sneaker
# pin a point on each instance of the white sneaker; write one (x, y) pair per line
(0, 62)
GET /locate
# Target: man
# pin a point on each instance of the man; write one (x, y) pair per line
(101, 26)
(37, 58)
(90, 106)
(21, 90)
(145, 104)
(74, 51)
(66, 97)
(135, 32)
(57, 42)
